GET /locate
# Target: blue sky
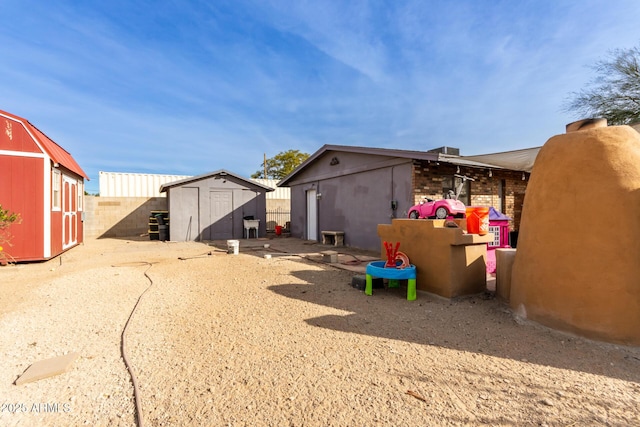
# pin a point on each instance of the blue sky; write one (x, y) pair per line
(189, 87)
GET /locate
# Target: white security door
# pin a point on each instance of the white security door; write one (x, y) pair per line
(221, 211)
(69, 212)
(312, 215)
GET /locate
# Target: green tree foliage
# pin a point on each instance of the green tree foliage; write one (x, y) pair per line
(614, 94)
(281, 165)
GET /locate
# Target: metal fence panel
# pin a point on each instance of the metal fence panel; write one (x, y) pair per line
(278, 216)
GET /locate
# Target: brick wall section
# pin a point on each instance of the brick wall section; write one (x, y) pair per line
(119, 216)
(485, 190)
(427, 179)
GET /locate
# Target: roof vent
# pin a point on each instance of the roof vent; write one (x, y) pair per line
(446, 150)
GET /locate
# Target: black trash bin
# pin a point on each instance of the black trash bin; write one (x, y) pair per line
(159, 229)
(163, 233)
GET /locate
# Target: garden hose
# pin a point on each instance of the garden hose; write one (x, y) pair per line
(123, 342)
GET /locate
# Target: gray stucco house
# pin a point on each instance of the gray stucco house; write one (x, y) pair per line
(213, 206)
(353, 189)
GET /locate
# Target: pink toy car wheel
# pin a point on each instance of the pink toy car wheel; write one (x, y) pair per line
(441, 213)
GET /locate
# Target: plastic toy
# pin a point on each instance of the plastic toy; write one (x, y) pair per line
(441, 209)
(395, 258)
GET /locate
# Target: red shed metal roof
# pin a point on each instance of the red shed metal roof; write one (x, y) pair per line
(53, 150)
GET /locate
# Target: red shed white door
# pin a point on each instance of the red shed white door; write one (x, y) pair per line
(69, 212)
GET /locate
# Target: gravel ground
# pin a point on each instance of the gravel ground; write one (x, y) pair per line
(218, 340)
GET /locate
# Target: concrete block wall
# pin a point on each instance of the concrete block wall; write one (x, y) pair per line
(119, 216)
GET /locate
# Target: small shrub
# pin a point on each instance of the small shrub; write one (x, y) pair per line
(6, 220)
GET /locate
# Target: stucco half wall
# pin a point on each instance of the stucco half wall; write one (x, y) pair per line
(449, 262)
(577, 266)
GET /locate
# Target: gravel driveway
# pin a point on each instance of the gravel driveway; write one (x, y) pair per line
(218, 339)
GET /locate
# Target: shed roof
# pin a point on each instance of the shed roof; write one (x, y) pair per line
(493, 161)
(220, 172)
(51, 148)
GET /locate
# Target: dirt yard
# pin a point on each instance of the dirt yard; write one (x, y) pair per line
(224, 340)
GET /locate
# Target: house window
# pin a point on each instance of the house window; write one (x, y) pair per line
(451, 185)
(80, 194)
(55, 190)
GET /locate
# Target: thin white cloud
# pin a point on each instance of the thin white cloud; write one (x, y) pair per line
(344, 31)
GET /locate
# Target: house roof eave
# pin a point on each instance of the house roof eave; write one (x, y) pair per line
(519, 160)
(408, 154)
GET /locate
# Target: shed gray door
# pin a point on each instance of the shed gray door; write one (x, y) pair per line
(186, 208)
(221, 215)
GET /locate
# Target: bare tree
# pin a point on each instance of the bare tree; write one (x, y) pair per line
(614, 94)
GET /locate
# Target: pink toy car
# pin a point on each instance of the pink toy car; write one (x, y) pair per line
(441, 209)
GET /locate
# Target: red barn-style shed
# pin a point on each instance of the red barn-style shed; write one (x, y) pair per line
(42, 182)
